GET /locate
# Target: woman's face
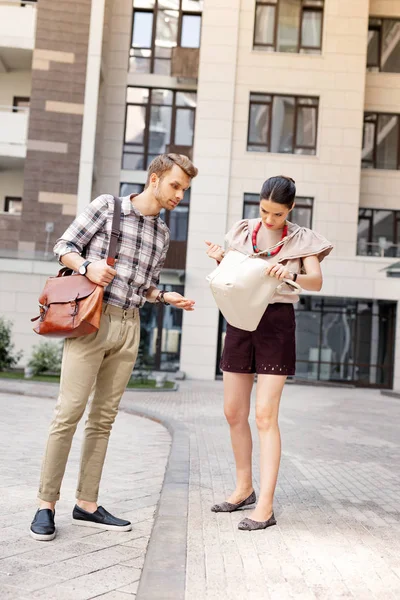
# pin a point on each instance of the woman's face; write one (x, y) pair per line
(274, 215)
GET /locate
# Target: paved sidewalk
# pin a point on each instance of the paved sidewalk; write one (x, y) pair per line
(337, 501)
(82, 562)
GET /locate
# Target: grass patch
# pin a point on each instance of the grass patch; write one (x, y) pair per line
(149, 384)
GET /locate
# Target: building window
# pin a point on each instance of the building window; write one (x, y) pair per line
(384, 45)
(283, 124)
(13, 205)
(158, 26)
(126, 189)
(157, 121)
(178, 219)
(301, 214)
(341, 339)
(381, 141)
(378, 232)
(20, 102)
(288, 25)
(160, 335)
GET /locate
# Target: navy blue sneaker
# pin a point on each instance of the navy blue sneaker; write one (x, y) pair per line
(101, 519)
(43, 527)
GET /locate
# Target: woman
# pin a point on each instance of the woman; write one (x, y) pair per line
(270, 350)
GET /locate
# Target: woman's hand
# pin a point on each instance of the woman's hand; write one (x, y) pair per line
(214, 251)
(279, 272)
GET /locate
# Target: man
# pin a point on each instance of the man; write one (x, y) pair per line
(104, 360)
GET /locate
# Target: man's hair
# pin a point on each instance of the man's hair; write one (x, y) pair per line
(163, 163)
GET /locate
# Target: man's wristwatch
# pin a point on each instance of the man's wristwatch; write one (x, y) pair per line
(83, 268)
(160, 298)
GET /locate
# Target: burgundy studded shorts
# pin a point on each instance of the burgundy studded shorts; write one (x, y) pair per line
(269, 350)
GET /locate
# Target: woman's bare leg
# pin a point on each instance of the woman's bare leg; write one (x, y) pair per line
(237, 392)
(269, 391)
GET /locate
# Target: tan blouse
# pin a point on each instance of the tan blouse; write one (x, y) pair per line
(299, 243)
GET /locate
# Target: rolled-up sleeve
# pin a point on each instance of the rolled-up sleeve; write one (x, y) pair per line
(83, 228)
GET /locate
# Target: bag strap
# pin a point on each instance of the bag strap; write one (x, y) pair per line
(115, 230)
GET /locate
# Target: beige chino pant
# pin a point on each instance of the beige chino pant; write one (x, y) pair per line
(97, 366)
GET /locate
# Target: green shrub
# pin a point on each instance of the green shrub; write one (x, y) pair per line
(46, 357)
(8, 358)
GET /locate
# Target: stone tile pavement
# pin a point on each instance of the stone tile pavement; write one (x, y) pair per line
(81, 562)
(337, 502)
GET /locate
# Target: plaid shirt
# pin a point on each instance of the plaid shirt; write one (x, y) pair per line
(141, 250)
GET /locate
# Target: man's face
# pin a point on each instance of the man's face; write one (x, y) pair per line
(170, 189)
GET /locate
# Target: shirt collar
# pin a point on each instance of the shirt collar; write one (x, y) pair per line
(128, 208)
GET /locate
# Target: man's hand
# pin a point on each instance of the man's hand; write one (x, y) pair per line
(100, 272)
(214, 251)
(179, 301)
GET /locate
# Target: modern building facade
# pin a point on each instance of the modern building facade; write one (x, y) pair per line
(92, 90)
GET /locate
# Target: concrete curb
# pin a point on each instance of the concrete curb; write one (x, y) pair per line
(390, 393)
(164, 570)
(21, 385)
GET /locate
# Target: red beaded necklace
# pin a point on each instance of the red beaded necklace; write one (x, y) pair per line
(254, 240)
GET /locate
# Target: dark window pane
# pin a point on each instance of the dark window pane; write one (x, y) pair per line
(306, 134)
(288, 25)
(133, 162)
(13, 205)
(311, 28)
(383, 232)
(191, 27)
(135, 124)
(184, 127)
(251, 211)
(302, 215)
(130, 188)
(259, 123)
(178, 223)
(308, 325)
(390, 59)
(160, 128)
(373, 48)
(368, 144)
(282, 124)
(387, 142)
(142, 29)
(264, 25)
(363, 236)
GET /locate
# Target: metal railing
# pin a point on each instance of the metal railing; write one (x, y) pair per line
(13, 109)
(21, 3)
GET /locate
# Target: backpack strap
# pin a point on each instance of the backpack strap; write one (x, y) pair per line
(115, 231)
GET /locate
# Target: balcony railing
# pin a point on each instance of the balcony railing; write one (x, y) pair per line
(17, 24)
(13, 130)
(185, 62)
(383, 249)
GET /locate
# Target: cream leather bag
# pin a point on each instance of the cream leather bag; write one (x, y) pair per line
(243, 291)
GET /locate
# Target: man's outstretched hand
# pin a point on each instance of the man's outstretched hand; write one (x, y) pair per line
(179, 301)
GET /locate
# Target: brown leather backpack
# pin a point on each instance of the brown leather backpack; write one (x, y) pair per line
(70, 304)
